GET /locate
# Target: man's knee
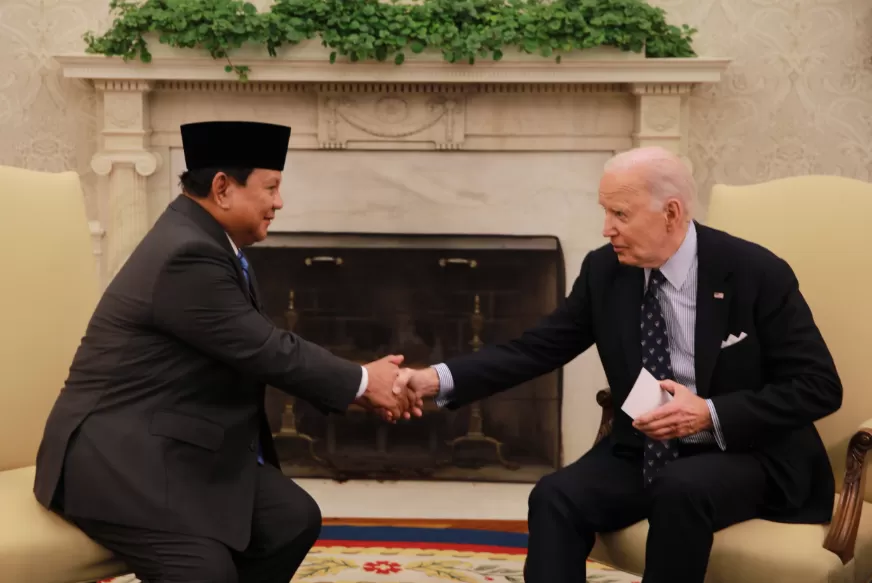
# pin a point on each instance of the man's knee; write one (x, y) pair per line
(549, 496)
(312, 519)
(544, 494)
(302, 520)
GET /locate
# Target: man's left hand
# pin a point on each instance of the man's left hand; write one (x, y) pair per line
(686, 414)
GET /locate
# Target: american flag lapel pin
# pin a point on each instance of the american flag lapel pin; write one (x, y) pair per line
(719, 295)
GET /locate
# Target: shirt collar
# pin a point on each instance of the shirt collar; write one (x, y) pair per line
(677, 267)
(235, 248)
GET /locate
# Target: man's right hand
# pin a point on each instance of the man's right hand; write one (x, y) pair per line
(424, 382)
(382, 391)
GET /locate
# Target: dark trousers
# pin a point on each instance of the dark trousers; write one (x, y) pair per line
(704, 491)
(285, 525)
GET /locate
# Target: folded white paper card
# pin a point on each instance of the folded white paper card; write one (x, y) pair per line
(645, 396)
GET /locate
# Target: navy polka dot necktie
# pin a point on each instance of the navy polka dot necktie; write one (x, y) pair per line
(655, 357)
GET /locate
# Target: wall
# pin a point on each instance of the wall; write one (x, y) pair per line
(797, 99)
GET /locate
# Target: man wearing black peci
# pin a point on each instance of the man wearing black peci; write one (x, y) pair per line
(158, 445)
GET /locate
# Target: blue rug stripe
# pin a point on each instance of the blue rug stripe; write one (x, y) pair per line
(424, 535)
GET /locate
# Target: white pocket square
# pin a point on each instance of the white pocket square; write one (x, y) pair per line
(733, 340)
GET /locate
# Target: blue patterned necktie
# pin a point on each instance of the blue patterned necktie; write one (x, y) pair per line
(244, 263)
(655, 357)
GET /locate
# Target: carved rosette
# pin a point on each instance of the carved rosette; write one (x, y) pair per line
(660, 111)
(125, 162)
(376, 116)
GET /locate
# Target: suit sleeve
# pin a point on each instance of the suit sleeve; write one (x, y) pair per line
(557, 339)
(198, 299)
(801, 384)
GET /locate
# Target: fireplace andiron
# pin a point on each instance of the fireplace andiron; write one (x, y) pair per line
(475, 432)
(288, 429)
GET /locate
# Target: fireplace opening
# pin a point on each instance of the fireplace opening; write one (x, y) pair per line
(428, 298)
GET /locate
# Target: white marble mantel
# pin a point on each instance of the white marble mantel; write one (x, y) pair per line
(505, 148)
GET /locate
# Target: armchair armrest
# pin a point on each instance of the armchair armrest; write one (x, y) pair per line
(604, 400)
(842, 535)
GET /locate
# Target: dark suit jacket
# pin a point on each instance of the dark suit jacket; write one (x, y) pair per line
(158, 422)
(767, 390)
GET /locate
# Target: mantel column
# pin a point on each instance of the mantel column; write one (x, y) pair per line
(662, 115)
(127, 162)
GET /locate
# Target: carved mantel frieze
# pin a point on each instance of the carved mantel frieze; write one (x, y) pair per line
(405, 115)
(587, 105)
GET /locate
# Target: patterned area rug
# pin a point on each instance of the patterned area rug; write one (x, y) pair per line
(377, 554)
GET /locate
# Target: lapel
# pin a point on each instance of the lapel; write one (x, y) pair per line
(629, 286)
(254, 290)
(712, 313)
(214, 230)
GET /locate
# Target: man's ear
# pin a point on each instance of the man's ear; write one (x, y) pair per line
(220, 184)
(674, 213)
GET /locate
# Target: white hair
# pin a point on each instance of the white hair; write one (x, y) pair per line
(664, 173)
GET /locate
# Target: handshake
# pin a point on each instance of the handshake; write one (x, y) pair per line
(395, 393)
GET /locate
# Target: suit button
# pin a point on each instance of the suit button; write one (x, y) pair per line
(252, 446)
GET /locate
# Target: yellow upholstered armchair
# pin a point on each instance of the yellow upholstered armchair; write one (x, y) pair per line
(49, 289)
(821, 226)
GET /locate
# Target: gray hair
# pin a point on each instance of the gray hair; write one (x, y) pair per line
(664, 173)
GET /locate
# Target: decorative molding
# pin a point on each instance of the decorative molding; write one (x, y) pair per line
(283, 87)
(124, 162)
(390, 117)
(145, 163)
(660, 109)
(661, 88)
(204, 68)
(133, 85)
(584, 88)
(254, 87)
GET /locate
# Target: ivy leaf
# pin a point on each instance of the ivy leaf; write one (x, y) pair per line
(371, 29)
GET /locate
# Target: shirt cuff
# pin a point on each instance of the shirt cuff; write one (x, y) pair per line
(364, 381)
(716, 426)
(446, 384)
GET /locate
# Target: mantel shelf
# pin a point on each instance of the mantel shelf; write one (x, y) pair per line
(590, 71)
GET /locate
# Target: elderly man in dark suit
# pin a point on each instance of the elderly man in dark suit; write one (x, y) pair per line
(722, 324)
(158, 445)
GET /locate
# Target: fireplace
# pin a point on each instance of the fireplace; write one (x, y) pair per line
(510, 148)
(428, 297)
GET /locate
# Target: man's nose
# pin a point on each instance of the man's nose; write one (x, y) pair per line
(278, 203)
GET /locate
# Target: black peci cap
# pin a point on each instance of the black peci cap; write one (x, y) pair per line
(239, 144)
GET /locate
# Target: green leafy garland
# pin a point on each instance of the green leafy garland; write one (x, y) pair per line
(361, 30)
